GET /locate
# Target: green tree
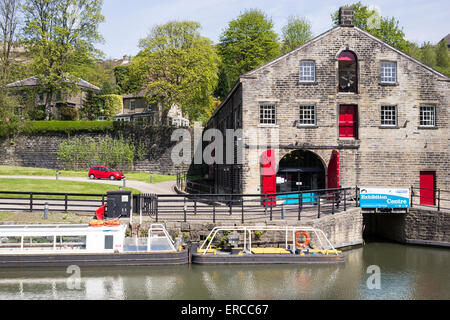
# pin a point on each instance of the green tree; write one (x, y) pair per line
(296, 32)
(442, 56)
(428, 55)
(247, 43)
(177, 66)
(385, 28)
(91, 108)
(60, 34)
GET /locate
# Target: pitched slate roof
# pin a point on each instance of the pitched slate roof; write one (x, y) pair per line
(140, 94)
(33, 82)
(447, 39)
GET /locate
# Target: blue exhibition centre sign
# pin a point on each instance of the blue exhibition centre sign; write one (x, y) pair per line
(395, 198)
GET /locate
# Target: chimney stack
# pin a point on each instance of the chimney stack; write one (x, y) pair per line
(346, 16)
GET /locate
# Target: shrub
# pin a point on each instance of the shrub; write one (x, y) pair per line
(68, 113)
(37, 113)
(81, 153)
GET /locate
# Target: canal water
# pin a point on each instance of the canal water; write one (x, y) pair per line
(405, 272)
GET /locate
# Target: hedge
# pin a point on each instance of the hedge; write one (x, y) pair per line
(39, 127)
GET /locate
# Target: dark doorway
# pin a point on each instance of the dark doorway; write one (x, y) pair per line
(300, 170)
(348, 72)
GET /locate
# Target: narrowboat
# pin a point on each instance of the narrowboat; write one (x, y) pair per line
(316, 248)
(100, 243)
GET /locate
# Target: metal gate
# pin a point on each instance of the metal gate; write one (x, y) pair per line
(145, 204)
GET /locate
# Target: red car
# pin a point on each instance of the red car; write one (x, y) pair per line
(105, 173)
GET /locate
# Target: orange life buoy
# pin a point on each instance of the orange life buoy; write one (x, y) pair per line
(307, 240)
(96, 223)
(112, 223)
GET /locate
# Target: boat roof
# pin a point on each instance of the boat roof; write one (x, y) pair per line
(42, 229)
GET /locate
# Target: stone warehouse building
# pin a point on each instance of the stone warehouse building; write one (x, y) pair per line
(346, 109)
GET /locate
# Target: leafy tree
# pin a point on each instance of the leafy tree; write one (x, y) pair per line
(296, 32)
(60, 34)
(91, 108)
(111, 104)
(8, 36)
(385, 28)
(442, 56)
(9, 120)
(129, 78)
(223, 84)
(107, 88)
(428, 56)
(247, 43)
(177, 66)
(121, 75)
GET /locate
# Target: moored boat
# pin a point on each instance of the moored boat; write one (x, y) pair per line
(244, 252)
(86, 245)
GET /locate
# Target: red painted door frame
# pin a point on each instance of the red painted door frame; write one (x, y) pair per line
(427, 187)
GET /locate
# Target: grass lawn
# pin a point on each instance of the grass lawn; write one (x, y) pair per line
(37, 217)
(26, 171)
(59, 186)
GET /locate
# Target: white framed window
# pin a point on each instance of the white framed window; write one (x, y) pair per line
(427, 116)
(132, 104)
(388, 72)
(307, 71)
(389, 116)
(267, 114)
(307, 115)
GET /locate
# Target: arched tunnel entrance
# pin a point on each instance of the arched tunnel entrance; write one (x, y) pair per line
(300, 170)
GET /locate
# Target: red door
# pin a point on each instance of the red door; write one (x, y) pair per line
(348, 121)
(333, 171)
(269, 175)
(427, 187)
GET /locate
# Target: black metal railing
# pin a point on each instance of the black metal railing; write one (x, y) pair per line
(245, 207)
(61, 202)
(431, 198)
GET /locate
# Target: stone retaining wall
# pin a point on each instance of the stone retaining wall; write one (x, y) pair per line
(40, 151)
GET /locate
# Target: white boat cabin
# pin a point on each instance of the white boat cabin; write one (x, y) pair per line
(61, 238)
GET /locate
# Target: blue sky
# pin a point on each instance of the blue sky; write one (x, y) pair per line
(127, 21)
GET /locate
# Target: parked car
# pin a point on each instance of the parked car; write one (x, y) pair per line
(105, 173)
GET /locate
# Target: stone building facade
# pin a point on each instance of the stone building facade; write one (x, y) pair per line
(343, 109)
(28, 88)
(137, 109)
